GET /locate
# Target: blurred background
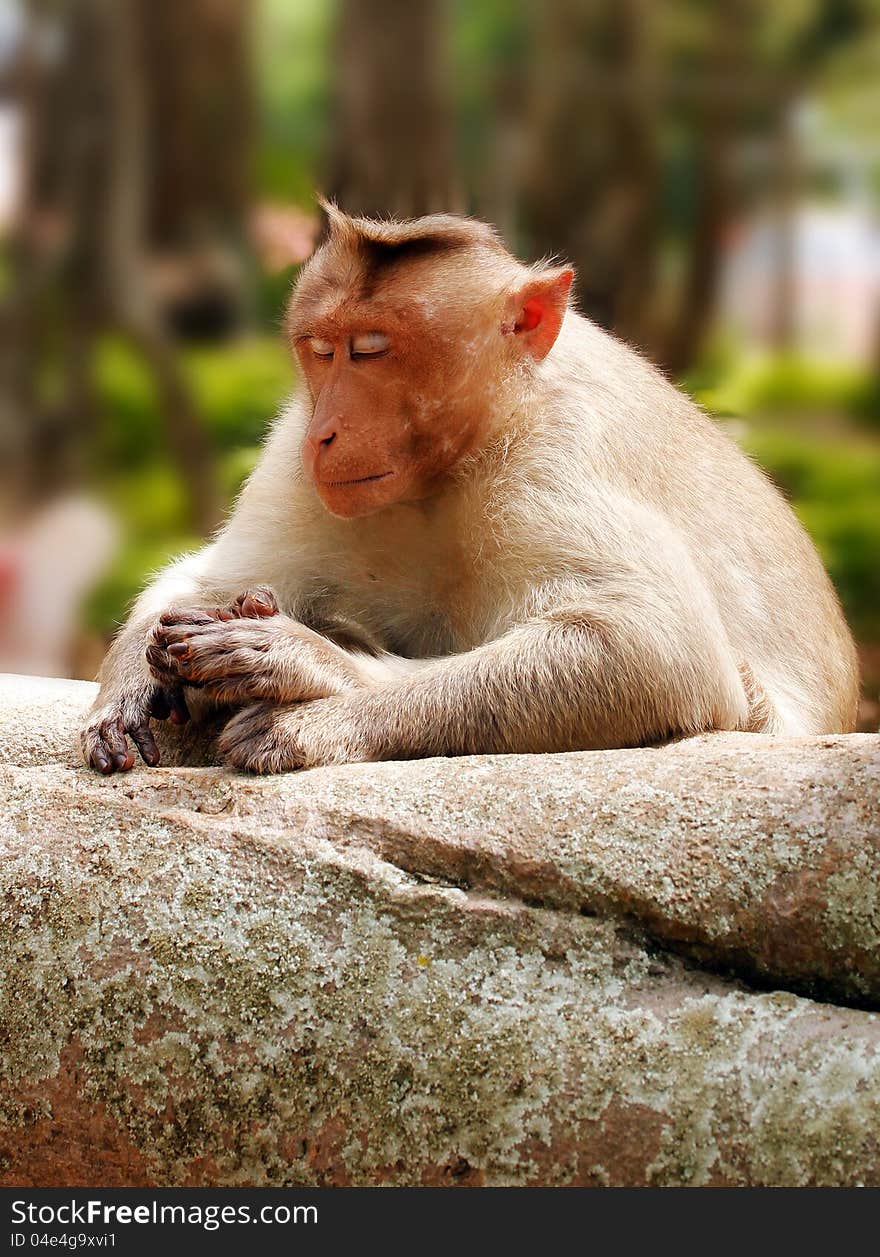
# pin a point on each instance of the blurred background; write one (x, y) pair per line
(712, 168)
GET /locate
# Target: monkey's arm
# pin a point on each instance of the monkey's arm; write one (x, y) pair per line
(628, 663)
(240, 652)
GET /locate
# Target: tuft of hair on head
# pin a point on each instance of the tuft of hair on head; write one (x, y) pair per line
(389, 240)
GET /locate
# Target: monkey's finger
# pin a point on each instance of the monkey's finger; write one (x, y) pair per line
(146, 744)
(96, 751)
(183, 615)
(242, 738)
(161, 664)
(116, 745)
(246, 686)
(167, 636)
(179, 710)
(257, 603)
(97, 755)
(206, 665)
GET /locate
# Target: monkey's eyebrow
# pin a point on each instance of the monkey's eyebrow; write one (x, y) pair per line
(302, 317)
(303, 328)
(297, 327)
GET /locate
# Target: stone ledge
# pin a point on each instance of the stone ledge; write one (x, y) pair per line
(489, 970)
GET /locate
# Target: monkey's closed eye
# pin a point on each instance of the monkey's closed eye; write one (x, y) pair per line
(321, 348)
(369, 345)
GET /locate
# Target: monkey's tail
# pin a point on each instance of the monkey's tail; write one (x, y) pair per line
(763, 716)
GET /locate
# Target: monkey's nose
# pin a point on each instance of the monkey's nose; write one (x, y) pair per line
(321, 439)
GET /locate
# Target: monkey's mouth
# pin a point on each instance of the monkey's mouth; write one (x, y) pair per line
(340, 484)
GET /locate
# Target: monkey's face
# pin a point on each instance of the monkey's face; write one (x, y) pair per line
(394, 408)
(406, 345)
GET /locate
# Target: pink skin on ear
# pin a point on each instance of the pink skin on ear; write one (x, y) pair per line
(537, 310)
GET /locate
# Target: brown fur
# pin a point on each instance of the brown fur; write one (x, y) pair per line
(506, 532)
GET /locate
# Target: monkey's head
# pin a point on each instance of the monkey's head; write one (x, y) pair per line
(408, 336)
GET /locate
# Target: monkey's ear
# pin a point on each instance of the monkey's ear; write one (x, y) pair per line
(535, 311)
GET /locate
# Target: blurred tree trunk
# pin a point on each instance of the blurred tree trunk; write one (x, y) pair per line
(721, 110)
(785, 195)
(392, 144)
(592, 182)
(199, 113)
(43, 434)
(637, 167)
(199, 120)
(17, 331)
(80, 257)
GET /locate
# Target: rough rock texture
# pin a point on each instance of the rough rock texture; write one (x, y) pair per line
(586, 968)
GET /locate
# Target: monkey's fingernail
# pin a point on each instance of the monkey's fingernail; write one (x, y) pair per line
(179, 650)
(103, 764)
(123, 760)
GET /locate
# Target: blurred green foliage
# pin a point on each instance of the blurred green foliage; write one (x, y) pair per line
(238, 389)
(291, 52)
(785, 384)
(834, 485)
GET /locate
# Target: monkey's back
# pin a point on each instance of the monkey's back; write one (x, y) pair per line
(779, 609)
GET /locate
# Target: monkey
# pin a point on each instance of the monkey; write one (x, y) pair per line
(481, 525)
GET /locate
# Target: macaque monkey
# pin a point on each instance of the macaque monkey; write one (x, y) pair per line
(483, 525)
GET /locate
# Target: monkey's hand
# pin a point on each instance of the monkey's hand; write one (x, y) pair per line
(249, 651)
(270, 739)
(105, 735)
(125, 707)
